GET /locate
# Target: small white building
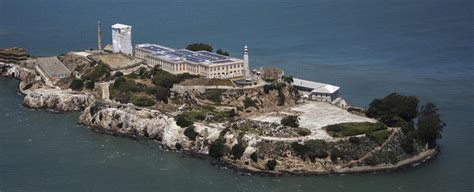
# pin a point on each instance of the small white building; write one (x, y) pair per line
(122, 39)
(317, 91)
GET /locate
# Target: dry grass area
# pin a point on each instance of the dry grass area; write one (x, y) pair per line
(114, 60)
(207, 82)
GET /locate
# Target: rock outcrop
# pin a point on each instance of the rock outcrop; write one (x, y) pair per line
(135, 122)
(57, 100)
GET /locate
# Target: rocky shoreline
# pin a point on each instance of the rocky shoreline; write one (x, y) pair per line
(135, 122)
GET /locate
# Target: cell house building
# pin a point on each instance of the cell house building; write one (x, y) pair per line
(122, 39)
(203, 63)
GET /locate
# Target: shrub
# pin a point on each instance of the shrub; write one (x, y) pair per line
(321, 154)
(218, 148)
(123, 85)
(335, 154)
(281, 98)
(238, 150)
(271, 164)
(351, 129)
(303, 131)
(254, 156)
(99, 71)
(142, 101)
(27, 86)
(199, 47)
(371, 161)
(160, 93)
(392, 121)
(164, 79)
(90, 84)
(378, 136)
(190, 133)
(300, 150)
(249, 103)
(290, 120)
(408, 145)
(355, 140)
(77, 84)
(214, 95)
(222, 52)
(118, 74)
(183, 120)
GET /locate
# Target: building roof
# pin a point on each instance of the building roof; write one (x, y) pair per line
(120, 26)
(52, 66)
(177, 55)
(315, 86)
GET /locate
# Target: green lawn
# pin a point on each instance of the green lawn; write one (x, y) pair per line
(351, 129)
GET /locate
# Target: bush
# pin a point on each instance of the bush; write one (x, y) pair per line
(392, 121)
(290, 120)
(183, 120)
(238, 150)
(371, 161)
(303, 131)
(199, 47)
(378, 136)
(254, 157)
(27, 86)
(99, 71)
(351, 129)
(118, 74)
(218, 148)
(142, 101)
(408, 145)
(121, 84)
(249, 103)
(335, 154)
(271, 164)
(222, 52)
(122, 97)
(160, 93)
(214, 95)
(77, 84)
(320, 154)
(281, 98)
(164, 79)
(90, 84)
(190, 133)
(354, 140)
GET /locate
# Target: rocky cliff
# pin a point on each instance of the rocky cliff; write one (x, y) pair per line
(135, 122)
(57, 100)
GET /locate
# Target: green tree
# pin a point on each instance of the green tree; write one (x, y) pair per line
(222, 52)
(429, 125)
(238, 150)
(190, 133)
(199, 47)
(218, 148)
(271, 164)
(394, 104)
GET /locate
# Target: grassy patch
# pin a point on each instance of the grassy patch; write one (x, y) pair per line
(379, 136)
(351, 129)
(214, 95)
(142, 101)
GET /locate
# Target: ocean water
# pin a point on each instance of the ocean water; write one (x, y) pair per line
(368, 47)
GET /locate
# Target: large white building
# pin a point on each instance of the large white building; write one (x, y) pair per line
(204, 63)
(122, 39)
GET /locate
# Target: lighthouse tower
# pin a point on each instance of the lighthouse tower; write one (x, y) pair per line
(246, 63)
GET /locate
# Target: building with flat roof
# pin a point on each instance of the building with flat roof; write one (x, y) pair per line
(317, 91)
(52, 68)
(122, 39)
(13, 55)
(203, 63)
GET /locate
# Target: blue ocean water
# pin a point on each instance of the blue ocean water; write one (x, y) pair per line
(368, 47)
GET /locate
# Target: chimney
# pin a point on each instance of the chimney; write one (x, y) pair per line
(99, 37)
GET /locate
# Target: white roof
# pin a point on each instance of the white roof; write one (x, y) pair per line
(120, 26)
(316, 86)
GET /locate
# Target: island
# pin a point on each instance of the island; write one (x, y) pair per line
(211, 105)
